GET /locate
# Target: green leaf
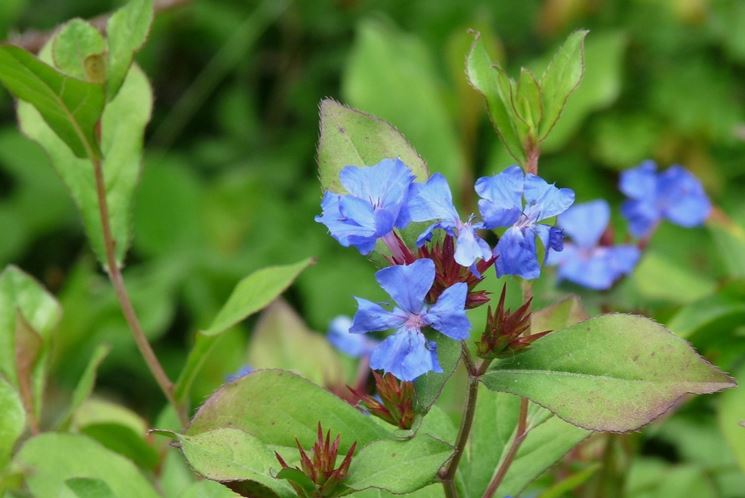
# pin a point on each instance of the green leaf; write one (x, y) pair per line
(353, 138)
(50, 459)
(492, 82)
(715, 315)
(252, 294)
(282, 340)
(122, 128)
(380, 59)
(660, 277)
(526, 101)
(208, 489)
(610, 373)
(574, 481)
(126, 33)
(732, 419)
(28, 315)
(12, 420)
(494, 427)
(233, 455)
(86, 383)
(69, 106)
(430, 385)
(74, 46)
(562, 76)
(601, 85)
(566, 312)
(83, 487)
(729, 237)
(125, 441)
(276, 407)
(398, 466)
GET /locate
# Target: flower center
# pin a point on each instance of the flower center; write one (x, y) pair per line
(415, 321)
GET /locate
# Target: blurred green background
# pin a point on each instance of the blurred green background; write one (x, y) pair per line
(229, 183)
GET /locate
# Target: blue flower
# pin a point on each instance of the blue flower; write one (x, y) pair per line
(501, 205)
(675, 195)
(407, 354)
(354, 345)
(375, 204)
(434, 201)
(584, 261)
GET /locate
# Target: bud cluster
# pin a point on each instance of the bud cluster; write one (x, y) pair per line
(318, 476)
(395, 404)
(506, 331)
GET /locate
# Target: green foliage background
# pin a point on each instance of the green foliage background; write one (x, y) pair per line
(230, 182)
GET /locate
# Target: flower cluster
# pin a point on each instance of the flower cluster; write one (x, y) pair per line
(433, 286)
(591, 259)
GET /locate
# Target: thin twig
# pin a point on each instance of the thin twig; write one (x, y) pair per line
(33, 40)
(128, 310)
(520, 433)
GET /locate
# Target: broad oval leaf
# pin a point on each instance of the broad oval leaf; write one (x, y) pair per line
(430, 385)
(732, 419)
(611, 373)
(277, 407)
(122, 130)
(398, 466)
(84, 487)
(233, 455)
(50, 459)
(73, 45)
(353, 138)
(208, 489)
(69, 106)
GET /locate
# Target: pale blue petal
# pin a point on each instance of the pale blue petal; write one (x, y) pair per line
(642, 216)
(552, 238)
(348, 231)
(372, 317)
(432, 201)
(586, 222)
(448, 314)
(406, 355)
(683, 200)
(640, 182)
(408, 285)
(596, 268)
(516, 254)
(426, 235)
(545, 200)
(501, 197)
(385, 184)
(623, 259)
(469, 247)
(355, 345)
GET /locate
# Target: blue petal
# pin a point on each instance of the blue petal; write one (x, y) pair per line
(640, 182)
(683, 199)
(469, 247)
(642, 216)
(408, 285)
(371, 317)
(586, 222)
(516, 254)
(426, 235)
(384, 185)
(242, 372)
(341, 338)
(545, 200)
(406, 355)
(348, 221)
(623, 258)
(552, 238)
(448, 314)
(501, 197)
(596, 268)
(432, 201)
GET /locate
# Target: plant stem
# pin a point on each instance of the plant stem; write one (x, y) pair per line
(447, 473)
(115, 275)
(520, 433)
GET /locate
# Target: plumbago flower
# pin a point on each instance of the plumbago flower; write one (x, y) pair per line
(674, 195)
(502, 205)
(407, 354)
(354, 345)
(434, 201)
(586, 260)
(375, 204)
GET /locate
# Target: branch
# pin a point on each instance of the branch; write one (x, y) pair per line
(520, 434)
(33, 40)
